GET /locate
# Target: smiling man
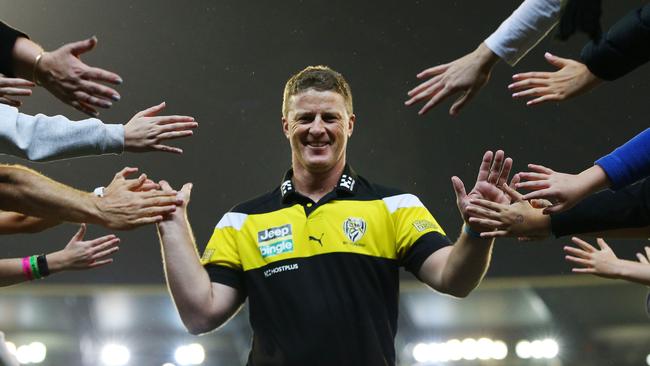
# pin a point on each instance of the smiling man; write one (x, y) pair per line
(318, 257)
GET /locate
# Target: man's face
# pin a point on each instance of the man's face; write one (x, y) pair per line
(318, 127)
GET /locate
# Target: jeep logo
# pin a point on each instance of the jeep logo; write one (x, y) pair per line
(274, 233)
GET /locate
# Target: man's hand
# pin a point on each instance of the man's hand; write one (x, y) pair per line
(493, 173)
(75, 83)
(572, 79)
(645, 259)
(183, 197)
(14, 87)
(517, 219)
(80, 254)
(563, 190)
(466, 75)
(125, 205)
(146, 131)
(603, 262)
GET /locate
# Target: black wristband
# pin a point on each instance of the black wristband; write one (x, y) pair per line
(41, 260)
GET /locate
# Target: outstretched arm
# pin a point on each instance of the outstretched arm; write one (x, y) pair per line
(77, 255)
(458, 269)
(604, 263)
(26, 191)
(14, 223)
(467, 75)
(203, 305)
(64, 75)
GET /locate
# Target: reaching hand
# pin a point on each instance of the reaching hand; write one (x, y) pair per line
(645, 259)
(562, 190)
(518, 219)
(493, 173)
(183, 196)
(603, 262)
(75, 83)
(146, 131)
(466, 75)
(80, 254)
(126, 204)
(14, 87)
(572, 79)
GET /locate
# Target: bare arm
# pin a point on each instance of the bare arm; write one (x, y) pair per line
(77, 255)
(26, 191)
(14, 222)
(202, 304)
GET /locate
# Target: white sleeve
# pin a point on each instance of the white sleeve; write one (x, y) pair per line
(42, 138)
(524, 28)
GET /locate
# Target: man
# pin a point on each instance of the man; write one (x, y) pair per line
(318, 257)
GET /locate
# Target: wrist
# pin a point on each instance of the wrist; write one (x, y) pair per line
(486, 56)
(56, 261)
(24, 56)
(467, 229)
(594, 179)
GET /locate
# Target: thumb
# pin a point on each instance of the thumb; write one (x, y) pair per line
(151, 111)
(514, 195)
(459, 188)
(79, 236)
(556, 61)
(77, 48)
(187, 191)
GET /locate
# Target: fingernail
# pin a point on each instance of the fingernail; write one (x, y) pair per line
(514, 95)
(119, 80)
(115, 97)
(107, 104)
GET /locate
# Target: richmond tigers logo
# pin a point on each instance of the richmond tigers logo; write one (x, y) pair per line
(354, 228)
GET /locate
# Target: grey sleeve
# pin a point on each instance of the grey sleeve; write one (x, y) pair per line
(43, 138)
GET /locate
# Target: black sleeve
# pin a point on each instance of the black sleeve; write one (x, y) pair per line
(8, 38)
(227, 276)
(606, 210)
(624, 47)
(426, 245)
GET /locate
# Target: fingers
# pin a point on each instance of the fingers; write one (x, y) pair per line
(495, 234)
(97, 74)
(530, 75)
(556, 61)
(459, 188)
(435, 70)
(479, 212)
(147, 220)
(497, 165)
(419, 93)
(149, 185)
(11, 102)
(100, 263)
(79, 236)
(437, 99)
(125, 172)
(167, 120)
(513, 194)
(515, 179)
(579, 261)
(533, 92)
(151, 111)
(174, 135)
(583, 244)
(79, 47)
(15, 82)
(527, 84)
(135, 184)
(99, 91)
(493, 224)
(497, 207)
(544, 98)
(533, 176)
(642, 258)
(484, 169)
(167, 148)
(602, 244)
(89, 100)
(84, 108)
(15, 91)
(505, 172)
(164, 185)
(103, 250)
(540, 186)
(540, 169)
(460, 102)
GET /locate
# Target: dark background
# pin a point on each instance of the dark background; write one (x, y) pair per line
(225, 63)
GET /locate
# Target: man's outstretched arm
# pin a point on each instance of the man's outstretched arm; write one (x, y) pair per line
(203, 305)
(26, 191)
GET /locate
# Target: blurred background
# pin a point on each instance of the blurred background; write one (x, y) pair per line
(225, 63)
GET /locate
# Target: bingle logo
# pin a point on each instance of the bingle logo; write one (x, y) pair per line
(347, 182)
(286, 186)
(274, 233)
(354, 228)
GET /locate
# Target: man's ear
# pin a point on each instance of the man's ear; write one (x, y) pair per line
(285, 126)
(351, 124)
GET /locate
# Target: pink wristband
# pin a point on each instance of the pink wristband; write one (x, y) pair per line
(27, 269)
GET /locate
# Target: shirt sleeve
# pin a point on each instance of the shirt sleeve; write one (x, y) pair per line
(221, 256)
(523, 29)
(417, 232)
(8, 36)
(623, 48)
(629, 162)
(43, 138)
(606, 210)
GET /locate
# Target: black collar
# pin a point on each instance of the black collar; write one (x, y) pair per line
(347, 184)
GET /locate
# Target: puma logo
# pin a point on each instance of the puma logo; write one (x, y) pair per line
(319, 240)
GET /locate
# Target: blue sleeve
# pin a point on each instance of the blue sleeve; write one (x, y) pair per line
(628, 163)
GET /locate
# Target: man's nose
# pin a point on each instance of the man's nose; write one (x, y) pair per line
(317, 126)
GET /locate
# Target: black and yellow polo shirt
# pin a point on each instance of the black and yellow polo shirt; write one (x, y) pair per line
(322, 277)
